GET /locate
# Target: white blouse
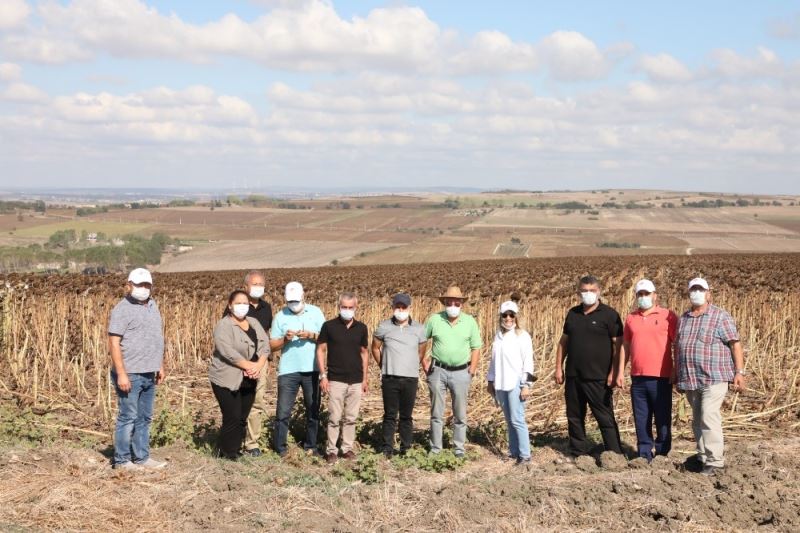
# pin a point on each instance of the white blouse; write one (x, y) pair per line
(512, 359)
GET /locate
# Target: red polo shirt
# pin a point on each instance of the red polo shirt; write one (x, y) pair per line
(650, 337)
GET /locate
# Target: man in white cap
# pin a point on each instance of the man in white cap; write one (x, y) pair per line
(136, 343)
(454, 361)
(708, 357)
(294, 332)
(648, 335)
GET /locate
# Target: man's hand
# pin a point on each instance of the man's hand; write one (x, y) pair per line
(611, 380)
(364, 387)
(619, 382)
(290, 335)
(472, 370)
(325, 385)
(303, 334)
(123, 382)
(490, 388)
(426, 366)
(738, 383)
(559, 376)
(160, 375)
(524, 393)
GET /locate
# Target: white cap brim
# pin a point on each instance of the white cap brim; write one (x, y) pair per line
(698, 282)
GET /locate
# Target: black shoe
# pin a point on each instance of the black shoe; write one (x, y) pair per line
(388, 453)
(710, 470)
(255, 452)
(694, 464)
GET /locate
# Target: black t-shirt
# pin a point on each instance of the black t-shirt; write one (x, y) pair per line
(344, 349)
(263, 313)
(590, 350)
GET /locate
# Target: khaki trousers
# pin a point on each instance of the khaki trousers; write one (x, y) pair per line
(256, 418)
(707, 422)
(343, 403)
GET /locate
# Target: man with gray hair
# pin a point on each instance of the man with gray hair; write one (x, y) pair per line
(254, 283)
(342, 357)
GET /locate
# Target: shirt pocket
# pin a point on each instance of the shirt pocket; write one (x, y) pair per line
(705, 335)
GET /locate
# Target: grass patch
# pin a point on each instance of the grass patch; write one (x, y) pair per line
(112, 229)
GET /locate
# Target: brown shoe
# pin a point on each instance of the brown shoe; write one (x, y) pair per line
(351, 455)
(331, 458)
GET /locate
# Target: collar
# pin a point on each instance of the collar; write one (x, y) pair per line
(134, 301)
(396, 323)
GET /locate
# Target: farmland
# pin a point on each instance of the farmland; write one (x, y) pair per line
(56, 398)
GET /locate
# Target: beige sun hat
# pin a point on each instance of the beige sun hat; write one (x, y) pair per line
(452, 292)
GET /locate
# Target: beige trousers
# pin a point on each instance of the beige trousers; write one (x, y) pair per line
(255, 419)
(343, 403)
(707, 422)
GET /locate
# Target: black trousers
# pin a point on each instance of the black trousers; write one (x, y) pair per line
(399, 395)
(578, 393)
(235, 407)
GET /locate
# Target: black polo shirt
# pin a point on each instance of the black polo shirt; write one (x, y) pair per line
(344, 349)
(590, 350)
(262, 312)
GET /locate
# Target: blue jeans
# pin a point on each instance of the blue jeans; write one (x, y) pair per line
(652, 399)
(519, 443)
(439, 382)
(288, 386)
(133, 419)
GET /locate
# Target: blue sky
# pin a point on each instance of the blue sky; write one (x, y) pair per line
(687, 95)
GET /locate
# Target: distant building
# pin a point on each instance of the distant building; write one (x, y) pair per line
(91, 238)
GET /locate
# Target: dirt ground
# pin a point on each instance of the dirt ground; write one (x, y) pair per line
(67, 487)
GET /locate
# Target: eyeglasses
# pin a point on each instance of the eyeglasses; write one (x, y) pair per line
(508, 314)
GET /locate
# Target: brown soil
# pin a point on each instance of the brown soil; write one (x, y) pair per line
(67, 488)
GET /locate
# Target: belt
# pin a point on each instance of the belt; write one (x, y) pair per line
(448, 367)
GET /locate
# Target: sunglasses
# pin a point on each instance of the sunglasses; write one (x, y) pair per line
(508, 314)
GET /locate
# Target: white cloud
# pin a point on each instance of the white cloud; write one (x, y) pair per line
(10, 72)
(728, 63)
(573, 57)
(13, 13)
(665, 68)
(23, 93)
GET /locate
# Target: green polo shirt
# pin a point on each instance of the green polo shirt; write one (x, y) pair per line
(452, 343)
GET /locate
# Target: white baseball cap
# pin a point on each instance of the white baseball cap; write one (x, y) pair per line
(698, 281)
(509, 306)
(294, 292)
(140, 275)
(644, 285)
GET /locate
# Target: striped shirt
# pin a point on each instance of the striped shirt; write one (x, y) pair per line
(703, 354)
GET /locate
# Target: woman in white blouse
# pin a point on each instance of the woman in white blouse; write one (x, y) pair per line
(510, 377)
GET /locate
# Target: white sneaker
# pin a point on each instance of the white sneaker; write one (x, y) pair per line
(127, 465)
(152, 464)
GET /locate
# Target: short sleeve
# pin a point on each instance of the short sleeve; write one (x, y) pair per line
(726, 330)
(565, 329)
(365, 337)
(475, 341)
(616, 329)
(320, 321)
(380, 333)
(277, 331)
(672, 326)
(323, 333)
(423, 338)
(429, 327)
(118, 323)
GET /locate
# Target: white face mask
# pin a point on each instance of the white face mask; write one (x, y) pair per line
(645, 302)
(589, 298)
(256, 292)
(295, 307)
(697, 297)
(401, 315)
(453, 311)
(240, 310)
(347, 314)
(140, 293)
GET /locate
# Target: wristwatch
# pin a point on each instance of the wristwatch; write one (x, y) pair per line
(741, 372)
(323, 375)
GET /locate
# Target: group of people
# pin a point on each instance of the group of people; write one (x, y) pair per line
(698, 352)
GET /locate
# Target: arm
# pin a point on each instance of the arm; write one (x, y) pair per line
(611, 380)
(490, 375)
(475, 344)
(561, 354)
(322, 362)
(624, 358)
(365, 366)
(423, 349)
(738, 364)
(123, 383)
(376, 350)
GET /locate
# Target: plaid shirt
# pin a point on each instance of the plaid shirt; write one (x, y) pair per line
(703, 355)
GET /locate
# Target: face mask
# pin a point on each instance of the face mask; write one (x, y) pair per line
(453, 311)
(589, 298)
(402, 316)
(347, 314)
(295, 307)
(256, 292)
(240, 310)
(140, 293)
(645, 302)
(697, 297)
